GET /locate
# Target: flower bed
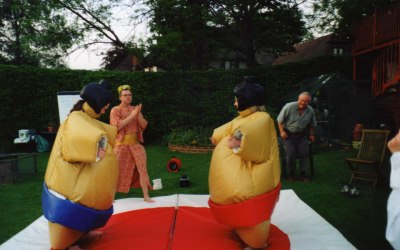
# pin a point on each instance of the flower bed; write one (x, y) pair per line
(194, 140)
(190, 149)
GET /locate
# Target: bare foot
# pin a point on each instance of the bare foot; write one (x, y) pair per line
(148, 199)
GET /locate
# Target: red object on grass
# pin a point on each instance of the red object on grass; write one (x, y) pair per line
(174, 164)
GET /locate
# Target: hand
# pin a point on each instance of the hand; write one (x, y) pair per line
(213, 141)
(394, 143)
(137, 110)
(101, 153)
(233, 142)
(284, 136)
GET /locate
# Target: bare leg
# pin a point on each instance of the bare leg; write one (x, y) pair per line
(82, 243)
(140, 158)
(62, 237)
(145, 184)
(87, 240)
(255, 237)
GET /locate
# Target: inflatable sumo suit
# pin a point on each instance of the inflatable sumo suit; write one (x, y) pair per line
(79, 188)
(244, 182)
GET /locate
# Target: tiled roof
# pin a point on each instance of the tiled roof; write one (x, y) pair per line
(306, 50)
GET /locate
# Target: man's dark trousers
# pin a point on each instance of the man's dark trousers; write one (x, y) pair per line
(296, 146)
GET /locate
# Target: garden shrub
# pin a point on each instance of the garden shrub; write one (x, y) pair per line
(171, 100)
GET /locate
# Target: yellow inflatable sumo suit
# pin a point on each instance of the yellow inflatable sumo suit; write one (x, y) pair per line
(244, 181)
(79, 186)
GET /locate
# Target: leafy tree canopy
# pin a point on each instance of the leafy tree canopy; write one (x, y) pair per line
(44, 32)
(181, 37)
(99, 18)
(34, 32)
(251, 26)
(189, 32)
(339, 16)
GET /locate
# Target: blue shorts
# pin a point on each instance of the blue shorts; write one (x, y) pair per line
(72, 215)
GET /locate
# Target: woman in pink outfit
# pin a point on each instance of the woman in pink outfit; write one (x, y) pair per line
(130, 152)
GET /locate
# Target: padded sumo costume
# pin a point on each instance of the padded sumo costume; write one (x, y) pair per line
(79, 188)
(244, 182)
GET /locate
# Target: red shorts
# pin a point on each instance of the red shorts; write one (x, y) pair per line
(247, 213)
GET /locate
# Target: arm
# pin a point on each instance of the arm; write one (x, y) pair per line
(258, 140)
(282, 131)
(80, 138)
(220, 132)
(311, 136)
(101, 153)
(394, 144)
(235, 141)
(280, 119)
(313, 124)
(142, 122)
(119, 122)
(130, 117)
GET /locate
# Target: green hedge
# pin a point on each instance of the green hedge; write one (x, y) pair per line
(171, 100)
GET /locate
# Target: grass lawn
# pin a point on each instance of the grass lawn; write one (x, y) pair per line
(361, 220)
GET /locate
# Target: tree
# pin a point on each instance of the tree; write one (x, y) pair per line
(251, 26)
(114, 56)
(97, 17)
(181, 37)
(188, 32)
(34, 32)
(44, 32)
(339, 16)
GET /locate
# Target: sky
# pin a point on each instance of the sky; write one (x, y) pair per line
(90, 59)
(124, 27)
(84, 59)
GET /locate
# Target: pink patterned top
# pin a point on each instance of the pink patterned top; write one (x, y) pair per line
(119, 113)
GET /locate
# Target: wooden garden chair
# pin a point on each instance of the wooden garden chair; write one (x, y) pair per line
(367, 165)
